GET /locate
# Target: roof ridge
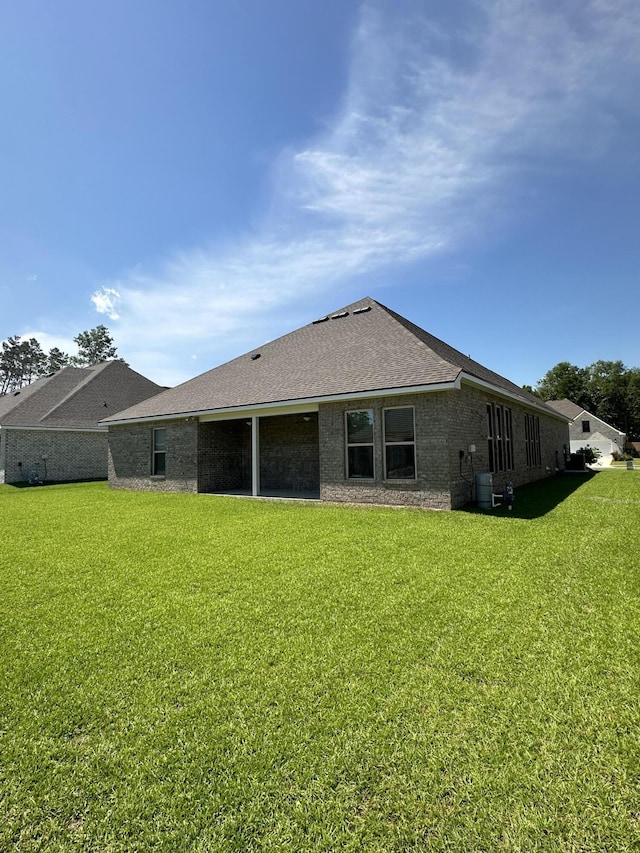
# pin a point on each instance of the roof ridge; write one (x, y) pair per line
(425, 337)
(84, 380)
(335, 354)
(458, 359)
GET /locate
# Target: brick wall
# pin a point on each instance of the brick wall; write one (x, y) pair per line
(297, 454)
(224, 455)
(70, 455)
(430, 489)
(130, 451)
(467, 417)
(446, 423)
(289, 453)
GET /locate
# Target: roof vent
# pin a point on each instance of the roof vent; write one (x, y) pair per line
(321, 320)
(340, 314)
(255, 356)
(362, 310)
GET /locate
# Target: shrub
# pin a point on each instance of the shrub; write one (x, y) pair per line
(591, 454)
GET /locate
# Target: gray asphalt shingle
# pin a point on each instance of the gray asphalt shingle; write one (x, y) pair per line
(75, 397)
(364, 347)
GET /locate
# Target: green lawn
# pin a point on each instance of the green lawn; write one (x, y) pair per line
(198, 673)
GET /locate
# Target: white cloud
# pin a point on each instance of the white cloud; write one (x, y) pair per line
(437, 129)
(105, 301)
(48, 341)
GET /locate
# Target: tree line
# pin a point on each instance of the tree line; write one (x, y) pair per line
(22, 360)
(607, 389)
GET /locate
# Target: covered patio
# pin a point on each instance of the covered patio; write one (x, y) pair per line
(274, 456)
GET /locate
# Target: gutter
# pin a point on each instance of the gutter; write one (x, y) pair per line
(53, 429)
(301, 404)
(532, 404)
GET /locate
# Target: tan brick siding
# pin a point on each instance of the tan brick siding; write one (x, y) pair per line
(217, 455)
(70, 455)
(130, 449)
(467, 424)
(289, 453)
(224, 455)
(430, 489)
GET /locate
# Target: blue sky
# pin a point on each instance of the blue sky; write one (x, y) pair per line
(204, 176)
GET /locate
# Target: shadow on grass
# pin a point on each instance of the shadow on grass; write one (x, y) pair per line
(537, 499)
(23, 484)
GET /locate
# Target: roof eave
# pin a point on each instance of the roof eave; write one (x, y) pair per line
(503, 392)
(53, 428)
(279, 404)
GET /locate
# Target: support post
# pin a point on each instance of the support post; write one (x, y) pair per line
(255, 456)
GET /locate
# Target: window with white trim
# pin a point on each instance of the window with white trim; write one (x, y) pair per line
(532, 441)
(499, 438)
(159, 460)
(359, 440)
(399, 443)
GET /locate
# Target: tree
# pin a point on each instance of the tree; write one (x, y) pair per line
(608, 385)
(566, 381)
(94, 346)
(21, 361)
(56, 359)
(608, 389)
(633, 403)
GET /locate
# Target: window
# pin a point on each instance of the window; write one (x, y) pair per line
(532, 440)
(360, 444)
(508, 443)
(399, 444)
(499, 438)
(586, 426)
(159, 462)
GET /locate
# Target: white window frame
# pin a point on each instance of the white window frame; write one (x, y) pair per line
(386, 444)
(348, 444)
(155, 453)
(532, 441)
(500, 437)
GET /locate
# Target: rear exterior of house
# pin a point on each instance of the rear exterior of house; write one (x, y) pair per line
(361, 406)
(309, 453)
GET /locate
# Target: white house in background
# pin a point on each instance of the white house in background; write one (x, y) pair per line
(587, 429)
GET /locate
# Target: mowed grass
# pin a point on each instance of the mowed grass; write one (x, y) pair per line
(198, 673)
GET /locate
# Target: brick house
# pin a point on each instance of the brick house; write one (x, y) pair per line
(587, 429)
(49, 429)
(360, 405)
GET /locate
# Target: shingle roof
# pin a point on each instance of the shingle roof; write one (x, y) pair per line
(566, 407)
(76, 397)
(362, 348)
(571, 411)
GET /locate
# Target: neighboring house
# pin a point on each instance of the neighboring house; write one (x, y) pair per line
(360, 406)
(49, 430)
(587, 429)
